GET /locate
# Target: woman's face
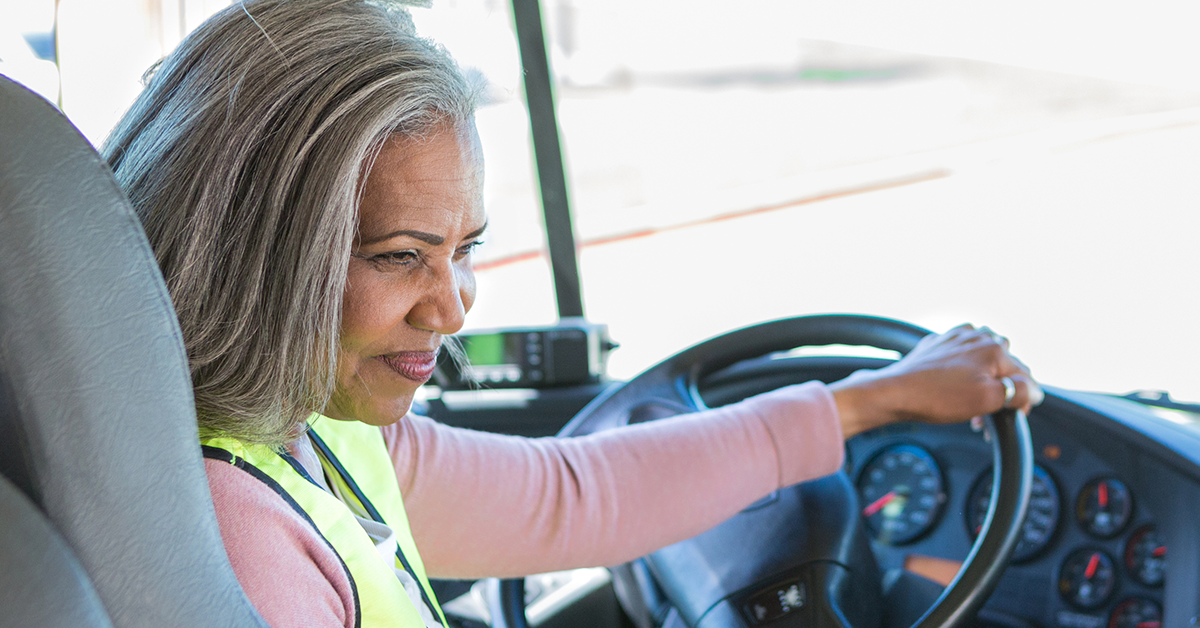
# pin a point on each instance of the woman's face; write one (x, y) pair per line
(410, 280)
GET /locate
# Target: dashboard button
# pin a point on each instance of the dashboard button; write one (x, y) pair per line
(775, 602)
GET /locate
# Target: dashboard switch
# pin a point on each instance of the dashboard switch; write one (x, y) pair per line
(775, 602)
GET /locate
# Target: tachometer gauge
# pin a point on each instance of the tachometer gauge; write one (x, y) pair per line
(1136, 613)
(1040, 522)
(1146, 556)
(902, 493)
(1087, 578)
(1103, 507)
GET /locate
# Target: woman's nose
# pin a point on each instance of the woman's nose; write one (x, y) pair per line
(446, 300)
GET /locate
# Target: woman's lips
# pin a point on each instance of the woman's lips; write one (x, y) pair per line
(414, 365)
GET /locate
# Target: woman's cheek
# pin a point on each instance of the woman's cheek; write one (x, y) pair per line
(466, 288)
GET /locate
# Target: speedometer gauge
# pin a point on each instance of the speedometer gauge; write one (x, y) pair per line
(1040, 522)
(902, 493)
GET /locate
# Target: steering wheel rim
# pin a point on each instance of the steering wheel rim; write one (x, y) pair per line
(674, 382)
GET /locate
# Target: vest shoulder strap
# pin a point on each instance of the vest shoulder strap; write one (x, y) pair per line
(379, 597)
(355, 453)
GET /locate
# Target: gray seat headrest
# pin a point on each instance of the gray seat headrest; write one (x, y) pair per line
(104, 419)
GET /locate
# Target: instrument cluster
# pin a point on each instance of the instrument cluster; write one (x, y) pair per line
(1093, 554)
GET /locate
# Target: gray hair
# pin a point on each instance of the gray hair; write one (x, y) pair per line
(244, 157)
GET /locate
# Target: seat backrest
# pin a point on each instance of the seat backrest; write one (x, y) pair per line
(101, 434)
(41, 583)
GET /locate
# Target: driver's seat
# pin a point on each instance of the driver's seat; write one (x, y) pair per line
(98, 440)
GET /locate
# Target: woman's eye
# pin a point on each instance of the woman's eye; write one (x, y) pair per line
(396, 257)
(468, 248)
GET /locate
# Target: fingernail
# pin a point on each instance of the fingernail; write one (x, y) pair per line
(1036, 396)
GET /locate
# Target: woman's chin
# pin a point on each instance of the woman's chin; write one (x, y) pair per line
(375, 409)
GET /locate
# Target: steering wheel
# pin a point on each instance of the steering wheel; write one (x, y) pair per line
(806, 541)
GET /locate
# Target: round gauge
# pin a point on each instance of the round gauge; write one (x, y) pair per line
(1086, 578)
(901, 488)
(1136, 612)
(1146, 556)
(1040, 523)
(1103, 507)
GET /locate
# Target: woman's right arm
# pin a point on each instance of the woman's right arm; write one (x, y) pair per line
(488, 505)
(483, 504)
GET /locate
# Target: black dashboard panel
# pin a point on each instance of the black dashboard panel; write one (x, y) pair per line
(1094, 448)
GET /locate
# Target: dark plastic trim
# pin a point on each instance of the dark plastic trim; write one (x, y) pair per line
(547, 151)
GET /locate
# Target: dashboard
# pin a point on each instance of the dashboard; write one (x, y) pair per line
(1110, 539)
(1090, 554)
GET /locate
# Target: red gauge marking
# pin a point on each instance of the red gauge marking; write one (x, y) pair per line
(1103, 496)
(1093, 563)
(1159, 552)
(1150, 624)
(878, 504)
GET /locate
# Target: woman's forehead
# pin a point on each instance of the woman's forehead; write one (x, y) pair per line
(435, 181)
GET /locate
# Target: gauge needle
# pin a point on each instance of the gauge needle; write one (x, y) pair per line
(1091, 566)
(878, 504)
(1103, 496)
(1159, 552)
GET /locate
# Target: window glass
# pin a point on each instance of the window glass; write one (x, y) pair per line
(1025, 166)
(1004, 164)
(104, 49)
(27, 53)
(514, 280)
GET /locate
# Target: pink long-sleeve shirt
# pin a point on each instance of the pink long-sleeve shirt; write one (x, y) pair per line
(482, 504)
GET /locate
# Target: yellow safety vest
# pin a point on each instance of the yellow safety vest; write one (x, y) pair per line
(354, 457)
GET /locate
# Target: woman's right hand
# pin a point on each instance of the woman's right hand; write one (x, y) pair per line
(946, 378)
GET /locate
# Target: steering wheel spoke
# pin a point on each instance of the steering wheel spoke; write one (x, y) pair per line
(801, 555)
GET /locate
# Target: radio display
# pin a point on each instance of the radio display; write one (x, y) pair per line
(487, 350)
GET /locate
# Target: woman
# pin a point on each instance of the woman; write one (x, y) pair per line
(309, 176)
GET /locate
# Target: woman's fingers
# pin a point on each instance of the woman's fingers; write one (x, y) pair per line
(1027, 393)
(997, 338)
(962, 373)
(946, 378)
(1015, 386)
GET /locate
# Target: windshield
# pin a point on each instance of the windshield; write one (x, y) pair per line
(1011, 164)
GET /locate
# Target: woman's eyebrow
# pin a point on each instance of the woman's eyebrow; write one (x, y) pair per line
(476, 233)
(428, 238)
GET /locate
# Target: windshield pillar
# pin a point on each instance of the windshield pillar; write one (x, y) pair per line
(547, 150)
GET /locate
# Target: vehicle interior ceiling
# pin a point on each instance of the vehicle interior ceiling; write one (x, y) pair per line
(1111, 492)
